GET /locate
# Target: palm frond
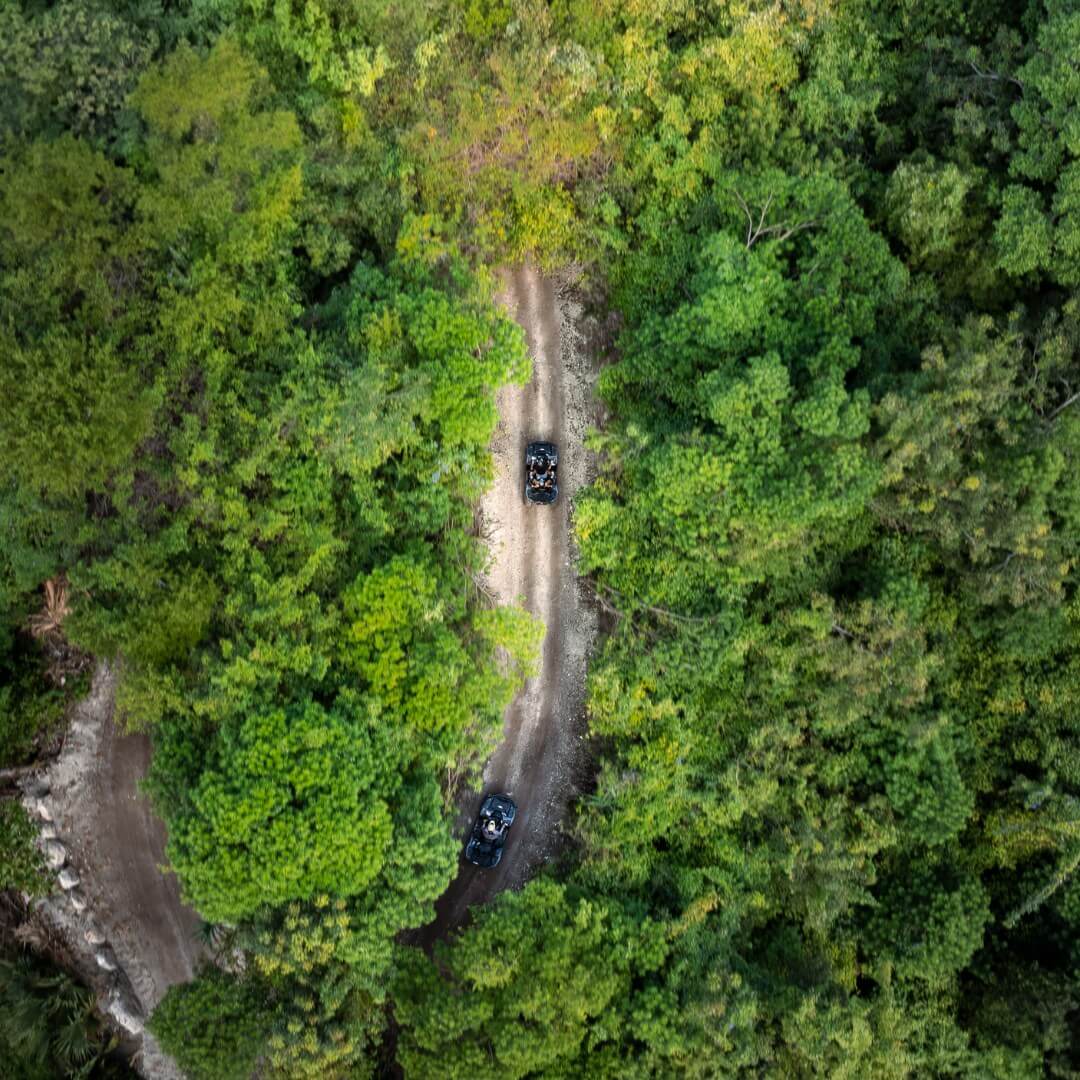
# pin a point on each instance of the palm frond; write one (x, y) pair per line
(54, 609)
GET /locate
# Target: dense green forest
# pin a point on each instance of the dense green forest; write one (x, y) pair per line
(249, 356)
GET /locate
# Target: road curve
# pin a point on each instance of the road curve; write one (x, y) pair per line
(538, 763)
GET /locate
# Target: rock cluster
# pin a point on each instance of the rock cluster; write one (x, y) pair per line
(119, 1003)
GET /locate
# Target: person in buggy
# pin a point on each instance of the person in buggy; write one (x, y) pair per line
(541, 472)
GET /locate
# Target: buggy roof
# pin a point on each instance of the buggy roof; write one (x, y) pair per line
(542, 451)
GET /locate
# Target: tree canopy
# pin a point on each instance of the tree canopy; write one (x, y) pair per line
(831, 254)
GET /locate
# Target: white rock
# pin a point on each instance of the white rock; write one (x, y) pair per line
(55, 854)
(93, 935)
(125, 1012)
(106, 959)
(78, 901)
(68, 878)
(44, 811)
(48, 831)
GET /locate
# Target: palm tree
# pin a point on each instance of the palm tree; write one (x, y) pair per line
(47, 1020)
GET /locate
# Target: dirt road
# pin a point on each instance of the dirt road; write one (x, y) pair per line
(116, 844)
(158, 929)
(539, 760)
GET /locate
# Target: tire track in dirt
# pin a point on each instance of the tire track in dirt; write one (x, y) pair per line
(538, 761)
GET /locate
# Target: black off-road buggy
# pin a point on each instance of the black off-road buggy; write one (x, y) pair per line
(541, 472)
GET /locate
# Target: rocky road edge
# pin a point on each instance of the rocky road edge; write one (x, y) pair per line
(73, 910)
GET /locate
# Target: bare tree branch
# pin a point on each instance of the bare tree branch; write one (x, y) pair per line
(664, 613)
(749, 216)
(994, 76)
(761, 216)
(1062, 407)
(1004, 562)
(784, 230)
(755, 231)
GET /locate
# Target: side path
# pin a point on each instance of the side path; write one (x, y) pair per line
(119, 914)
(541, 758)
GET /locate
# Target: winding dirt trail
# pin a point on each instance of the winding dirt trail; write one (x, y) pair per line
(538, 763)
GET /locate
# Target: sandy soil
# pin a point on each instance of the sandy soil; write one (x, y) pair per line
(116, 844)
(539, 762)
